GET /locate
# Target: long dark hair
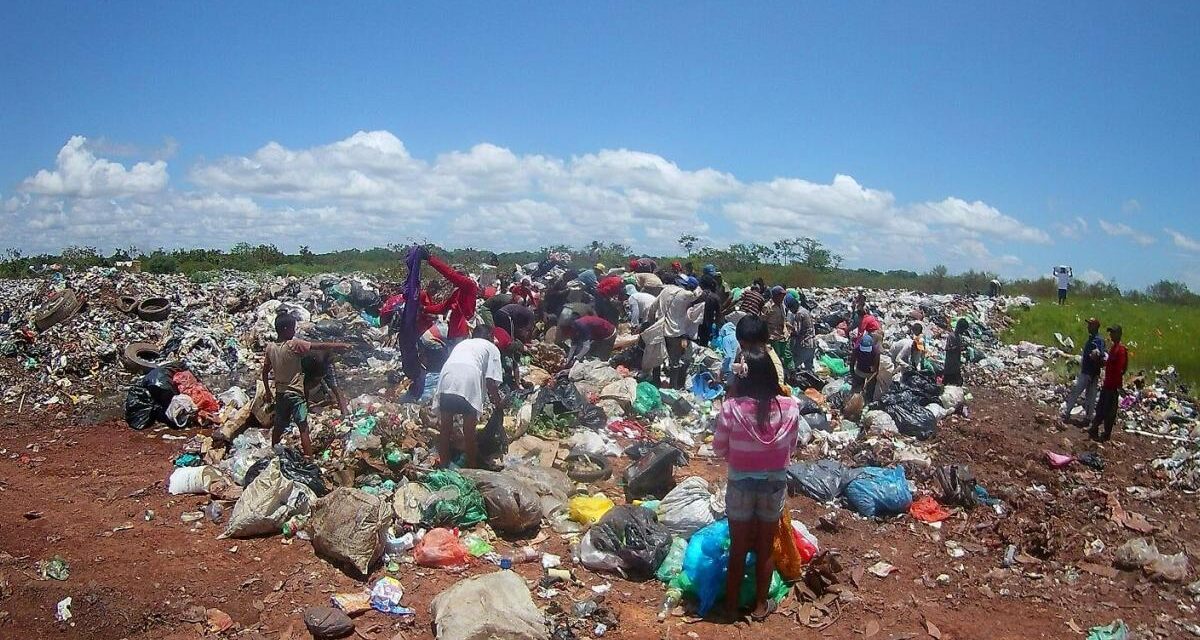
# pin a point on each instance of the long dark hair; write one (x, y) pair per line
(761, 383)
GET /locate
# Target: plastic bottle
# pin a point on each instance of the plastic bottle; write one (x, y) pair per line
(670, 602)
(524, 554)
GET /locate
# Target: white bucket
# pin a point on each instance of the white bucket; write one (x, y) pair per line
(191, 480)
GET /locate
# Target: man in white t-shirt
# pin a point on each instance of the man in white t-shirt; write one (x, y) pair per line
(1062, 277)
(473, 368)
(638, 303)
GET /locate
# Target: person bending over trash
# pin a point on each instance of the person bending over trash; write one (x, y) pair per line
(591, 337)
(473, 368)
(285, 360)
(865, 367)
(757, 430)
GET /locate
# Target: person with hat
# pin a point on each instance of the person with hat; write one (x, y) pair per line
(776, 317)
(865, 367)
(1087, 381)
(1115, 366)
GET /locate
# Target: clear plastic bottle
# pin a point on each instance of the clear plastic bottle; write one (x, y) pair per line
(525, 554)
(670, 602)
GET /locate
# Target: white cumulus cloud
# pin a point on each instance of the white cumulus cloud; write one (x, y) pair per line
(1074, 229)
(1120, 229)
(1091, 276)
(369, 190)
(79, 173)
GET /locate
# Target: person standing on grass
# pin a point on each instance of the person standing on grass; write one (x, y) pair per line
(1062, 277)
(473, 369)
(285, 360)
(1110, 391)
(757, 430)
(1087, 382)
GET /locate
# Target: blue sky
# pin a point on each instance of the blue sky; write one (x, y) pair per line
(1009, 137)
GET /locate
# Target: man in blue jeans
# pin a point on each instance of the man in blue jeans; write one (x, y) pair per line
(1088, 379)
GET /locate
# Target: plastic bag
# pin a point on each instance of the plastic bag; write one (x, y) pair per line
(854, 407)
(952, 397)
(958, 485)
(264, 505)
(688, 507)
(512, 505)
(348, 527)
(551, 486)
(653, 474)
(879, 492)
(140, 408)
(386, 596)
(294, 467)
(913, 420)
(926, 509)
(1135, 554)
(648, 399)
(187, 384)
(158, 381)
(632, 534)
(1118, 630)
(441, 548)
(586, 510)
(837, 367)
(1058, 460)
(705, 564)
(673, 563)
(595, 559)
(1168, 568)
(817, 422)
(823, 480)
(787, 558)
(879, 422)
(455, 500)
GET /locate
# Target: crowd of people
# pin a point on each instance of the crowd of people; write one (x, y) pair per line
(471, 336)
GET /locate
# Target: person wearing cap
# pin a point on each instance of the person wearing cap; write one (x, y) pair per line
(775, 315)
(1087, 381)
(674, 305)
(865, 367)
(804, 333)
(473, 369)
(649, 282)
(1115, 366)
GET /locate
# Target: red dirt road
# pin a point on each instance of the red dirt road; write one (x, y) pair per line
(83, 492)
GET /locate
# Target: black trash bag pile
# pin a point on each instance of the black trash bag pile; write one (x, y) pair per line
(923, 384)
(818, 421)
(806, 379)
(957, 485)
(913, 420)
(808, 406)
(822, 480)
(653, 475)
(294, 467)
(562, 397)
(632, 534)
(146, 402)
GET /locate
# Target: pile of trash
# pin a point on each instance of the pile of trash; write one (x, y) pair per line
(73, 339)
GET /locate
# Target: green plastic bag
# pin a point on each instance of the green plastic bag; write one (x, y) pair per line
(837, 366)
(1115, 631)
(477, 546)
(648, 399)
(673, 563)
(462, 504)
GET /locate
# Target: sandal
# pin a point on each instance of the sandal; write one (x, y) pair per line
(771, 606)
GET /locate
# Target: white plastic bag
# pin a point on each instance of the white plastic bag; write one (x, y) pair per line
(688, 507)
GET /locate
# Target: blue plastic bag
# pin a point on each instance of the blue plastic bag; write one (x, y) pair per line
(705, 387)
(705, 565)
(879, 492)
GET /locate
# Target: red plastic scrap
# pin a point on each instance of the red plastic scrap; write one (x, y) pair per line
(187, 384)
(926, 509)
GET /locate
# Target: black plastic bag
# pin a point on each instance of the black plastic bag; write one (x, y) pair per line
(838, 399)
(563, 397)
(817, 421)
(158, 382)
(913, 420)
(140, 408)
(957, 484)
(823, 480)
(654, 474)
(806, 379)
(493, 441)
(922, 384)
(633, 535)
(513, 505)
(294, 467)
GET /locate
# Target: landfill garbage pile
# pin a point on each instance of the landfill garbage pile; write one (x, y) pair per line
(72, 339)
(590, 453)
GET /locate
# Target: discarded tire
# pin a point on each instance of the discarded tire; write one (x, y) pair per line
(127, 304)
(140, 357)
(63, 306)
(154, 309)
(581, 466)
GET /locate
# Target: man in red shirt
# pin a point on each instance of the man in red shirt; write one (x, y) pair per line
(1110, 390)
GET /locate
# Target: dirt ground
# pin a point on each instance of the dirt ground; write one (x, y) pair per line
(83, 489)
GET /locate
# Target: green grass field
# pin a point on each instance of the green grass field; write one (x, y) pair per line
(1156, 334)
